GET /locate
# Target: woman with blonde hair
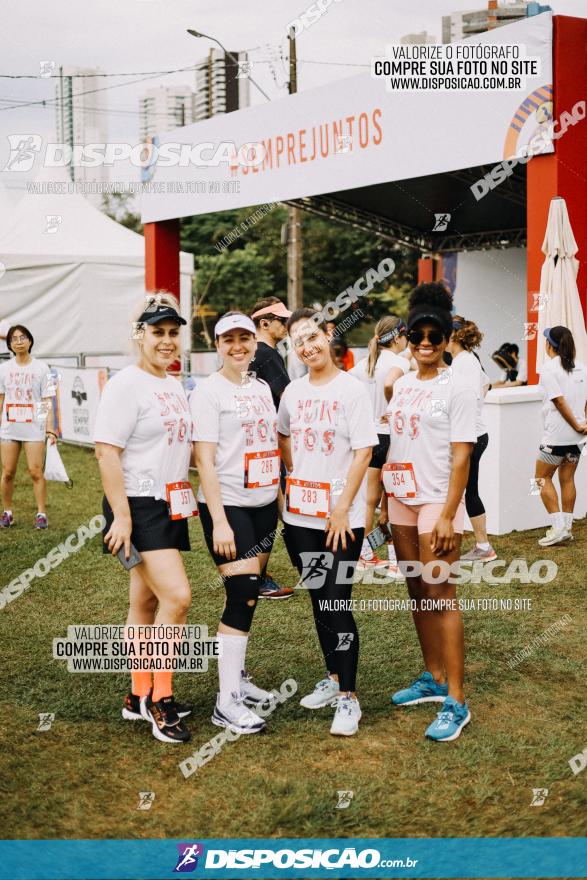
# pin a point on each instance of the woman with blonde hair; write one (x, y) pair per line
(143, 436)
(465, 338)
(378, 371)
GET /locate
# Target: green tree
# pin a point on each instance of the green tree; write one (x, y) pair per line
(117, 207)
(228, 280)
(335, 255)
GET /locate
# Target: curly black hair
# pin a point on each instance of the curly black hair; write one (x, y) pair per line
(431, 293)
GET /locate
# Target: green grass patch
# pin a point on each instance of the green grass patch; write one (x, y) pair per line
(82, 778)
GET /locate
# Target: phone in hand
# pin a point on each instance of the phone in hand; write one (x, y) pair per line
(379, 536)
(134, 559)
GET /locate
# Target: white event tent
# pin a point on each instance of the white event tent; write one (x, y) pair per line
(75, 287)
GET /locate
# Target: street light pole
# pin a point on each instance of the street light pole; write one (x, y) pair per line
(228, 54)
(294, 224)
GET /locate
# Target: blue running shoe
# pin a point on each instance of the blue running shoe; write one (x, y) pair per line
(423, 690)
(450, 721)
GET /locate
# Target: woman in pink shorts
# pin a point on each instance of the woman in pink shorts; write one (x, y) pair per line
(432, 433)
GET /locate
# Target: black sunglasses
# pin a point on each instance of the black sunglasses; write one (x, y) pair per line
(435, 337)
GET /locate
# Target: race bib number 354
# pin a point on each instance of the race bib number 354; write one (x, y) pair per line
(399, 480)
(308, 498)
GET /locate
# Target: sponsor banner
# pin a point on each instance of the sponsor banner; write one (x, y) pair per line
(352, 133)
(303, 858)
(79, 394)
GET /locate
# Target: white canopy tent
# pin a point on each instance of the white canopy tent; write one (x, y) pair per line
(77, 286)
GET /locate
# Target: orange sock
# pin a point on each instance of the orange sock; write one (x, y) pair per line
(141, 683)
(162, 685)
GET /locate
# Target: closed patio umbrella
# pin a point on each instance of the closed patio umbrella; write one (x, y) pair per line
(558, 283)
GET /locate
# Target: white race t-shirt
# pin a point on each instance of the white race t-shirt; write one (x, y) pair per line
(149, 419)
(556, 382)
(24, 387)
(425, 418)
(375, 385)
(465, 366)
(327, 423)
(242, 422)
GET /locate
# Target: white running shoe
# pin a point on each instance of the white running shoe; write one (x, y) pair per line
(236, 716)
(346, 718)
(555, 536)
(253, 695)
(325, 693)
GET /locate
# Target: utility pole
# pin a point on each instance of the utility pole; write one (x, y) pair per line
(294, 220)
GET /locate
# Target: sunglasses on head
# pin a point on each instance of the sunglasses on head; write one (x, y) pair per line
(435, 337)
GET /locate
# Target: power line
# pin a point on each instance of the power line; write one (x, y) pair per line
(54, 102)
(155, 73)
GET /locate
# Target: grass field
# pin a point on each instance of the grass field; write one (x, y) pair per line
(81, 778)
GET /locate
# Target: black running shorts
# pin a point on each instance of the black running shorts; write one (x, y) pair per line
(152, 529)
(254, 529)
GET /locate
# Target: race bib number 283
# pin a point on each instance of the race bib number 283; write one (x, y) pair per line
(308, 498)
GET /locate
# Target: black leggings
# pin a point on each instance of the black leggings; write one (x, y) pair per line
(473, 502)
(335, 625)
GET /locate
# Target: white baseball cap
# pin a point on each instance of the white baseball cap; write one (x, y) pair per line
(234, 322)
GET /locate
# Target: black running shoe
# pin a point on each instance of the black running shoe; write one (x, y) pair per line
(166, 724)
(131, 711)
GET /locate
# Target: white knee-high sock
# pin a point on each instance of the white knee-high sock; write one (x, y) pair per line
(233, 651)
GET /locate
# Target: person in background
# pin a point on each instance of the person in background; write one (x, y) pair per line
(466, 337)
(270, 318)
(378, 372)
(338, 349)
(515, 368)
(563, 382)
(27, 389)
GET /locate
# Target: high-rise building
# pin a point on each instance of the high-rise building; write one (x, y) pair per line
(82, 118)
(221, 85)
(165, 108)
(423, 38)
(466, 24)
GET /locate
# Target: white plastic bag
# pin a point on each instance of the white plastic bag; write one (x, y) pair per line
(54, 467)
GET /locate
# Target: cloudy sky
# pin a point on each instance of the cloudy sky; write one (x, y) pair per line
(149, 36)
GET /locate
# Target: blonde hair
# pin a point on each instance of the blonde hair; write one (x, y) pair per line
(385, 325)
(161, 297)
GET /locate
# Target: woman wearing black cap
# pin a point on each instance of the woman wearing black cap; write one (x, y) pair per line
(432, 433)
(143, 438)
(563, 382)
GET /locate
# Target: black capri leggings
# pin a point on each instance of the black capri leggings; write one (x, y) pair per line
(473, 502)
(335, 624)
